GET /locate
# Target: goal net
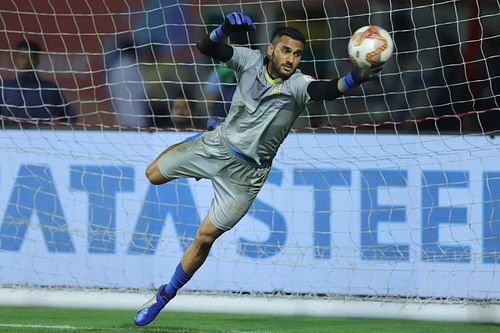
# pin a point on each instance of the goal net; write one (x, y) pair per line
(391, 192)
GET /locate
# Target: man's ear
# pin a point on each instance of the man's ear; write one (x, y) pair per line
(270, 50)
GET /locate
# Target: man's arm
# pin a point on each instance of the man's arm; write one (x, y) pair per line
(218, 51)
(211, 45)
(324, 90)
(330, 90)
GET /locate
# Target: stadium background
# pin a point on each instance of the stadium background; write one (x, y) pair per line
(445, 66)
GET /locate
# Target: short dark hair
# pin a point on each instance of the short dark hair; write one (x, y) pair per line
(290, 32)
(28, 45)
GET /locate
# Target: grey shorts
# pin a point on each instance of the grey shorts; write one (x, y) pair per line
(236, 183)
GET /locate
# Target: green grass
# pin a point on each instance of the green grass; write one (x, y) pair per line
(50, 320)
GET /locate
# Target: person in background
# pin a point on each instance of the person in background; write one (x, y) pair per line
(181, 113)
(219, 93)
(182, 109)
(127, 89)
(162, 76)
(28, 96)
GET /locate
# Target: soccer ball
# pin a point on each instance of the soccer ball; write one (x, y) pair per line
(370, 46)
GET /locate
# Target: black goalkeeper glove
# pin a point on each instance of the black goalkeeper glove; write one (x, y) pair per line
(233, 22)
(358, 75)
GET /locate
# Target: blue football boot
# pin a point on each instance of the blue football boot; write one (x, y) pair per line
(148, 312)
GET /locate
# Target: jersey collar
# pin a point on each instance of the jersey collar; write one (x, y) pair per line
(269, 79)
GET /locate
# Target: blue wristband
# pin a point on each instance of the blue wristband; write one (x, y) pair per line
(347, 81)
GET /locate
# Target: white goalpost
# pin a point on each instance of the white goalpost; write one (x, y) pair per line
(382, 203)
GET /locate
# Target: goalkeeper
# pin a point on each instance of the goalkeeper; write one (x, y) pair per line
(237, 155)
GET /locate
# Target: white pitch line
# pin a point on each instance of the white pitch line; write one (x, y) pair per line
(56, 327)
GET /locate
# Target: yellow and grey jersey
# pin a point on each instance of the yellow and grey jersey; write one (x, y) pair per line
(263, 110)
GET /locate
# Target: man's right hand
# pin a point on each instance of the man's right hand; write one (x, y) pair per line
(362, 74)
(233, 22)
(357, 76)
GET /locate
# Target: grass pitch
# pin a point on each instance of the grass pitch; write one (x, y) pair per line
(53, 320)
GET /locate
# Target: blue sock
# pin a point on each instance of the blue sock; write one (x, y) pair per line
(179, 279)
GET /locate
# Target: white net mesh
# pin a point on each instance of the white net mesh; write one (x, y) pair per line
(392, 190)
(126, 63)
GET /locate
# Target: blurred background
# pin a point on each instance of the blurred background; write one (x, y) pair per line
(443, 78)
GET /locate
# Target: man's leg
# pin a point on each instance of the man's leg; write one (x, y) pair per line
(194, 256)
(153, 173)
(198, 250)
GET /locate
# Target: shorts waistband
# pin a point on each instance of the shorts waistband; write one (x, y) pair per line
(263, 162)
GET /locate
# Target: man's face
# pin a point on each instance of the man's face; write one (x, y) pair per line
(25, 60)
(284, 57)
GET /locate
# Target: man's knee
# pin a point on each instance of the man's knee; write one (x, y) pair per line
(205, 240)
(207, 233)
(154, 175)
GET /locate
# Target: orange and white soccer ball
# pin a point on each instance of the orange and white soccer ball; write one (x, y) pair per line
(370, 46)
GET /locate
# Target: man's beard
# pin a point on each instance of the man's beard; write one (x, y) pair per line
(277, 69)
